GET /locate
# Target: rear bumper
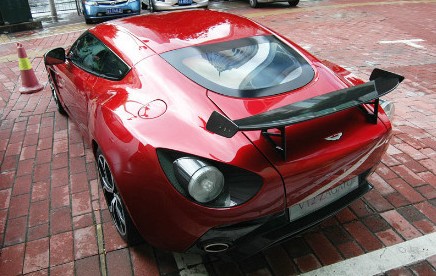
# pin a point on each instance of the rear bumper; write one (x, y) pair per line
(247, 238)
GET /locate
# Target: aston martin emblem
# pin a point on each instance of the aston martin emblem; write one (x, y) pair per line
(334, 137)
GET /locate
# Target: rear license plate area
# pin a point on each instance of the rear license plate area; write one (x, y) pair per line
(315, 203)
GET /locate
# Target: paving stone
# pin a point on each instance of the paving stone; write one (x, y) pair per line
(323, 248)
(389, 237)
(11, 260)
(422, 268)
(143, 260)
(62, 270)
(81, 203)
(363, 236)
(361, 209)
(6, 178)
(85, 242)
(89, 266)
(82, 221)
(61, 248)
(280, 262)
(5, 196)
(428, 191)
(112, 239)
(424, 226)
(60, 220)
(253, 263)
(166, 262)
(337, 234)
(402, 271)
(118, 262)
(350, 249)
(307, 263)
(375, 223)
(40, 190)
(428, 210)
(22, 185)
(60, 196)
(15, 231)
(37, 255)
(38, 232)
(406, 190)
(79, 182)
(296, 247)
(401, 225)
(377, 201)
(345, 215)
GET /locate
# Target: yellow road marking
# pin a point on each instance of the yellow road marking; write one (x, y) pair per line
(337, 6)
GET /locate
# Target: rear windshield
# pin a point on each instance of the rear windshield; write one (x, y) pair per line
(249, 67)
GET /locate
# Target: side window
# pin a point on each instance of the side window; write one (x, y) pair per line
(93, 56)
(111, 66)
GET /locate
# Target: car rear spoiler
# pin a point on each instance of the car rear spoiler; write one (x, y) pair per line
(381, 83)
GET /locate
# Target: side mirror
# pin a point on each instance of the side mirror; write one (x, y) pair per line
(55, 56)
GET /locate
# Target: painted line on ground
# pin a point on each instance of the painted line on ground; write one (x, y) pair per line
(409, 42)
(384, 259)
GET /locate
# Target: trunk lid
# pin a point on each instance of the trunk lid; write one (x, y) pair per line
(321, 153)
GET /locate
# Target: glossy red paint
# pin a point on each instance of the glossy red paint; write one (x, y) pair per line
(111, 113)
(155, 31)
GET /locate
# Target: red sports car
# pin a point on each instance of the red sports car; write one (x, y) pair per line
(214, 134)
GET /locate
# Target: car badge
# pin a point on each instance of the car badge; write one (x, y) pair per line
(334, 137)
(113, 3)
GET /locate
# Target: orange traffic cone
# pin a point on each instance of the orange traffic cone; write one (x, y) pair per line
(29, 82)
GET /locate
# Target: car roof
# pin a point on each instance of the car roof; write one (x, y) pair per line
(164, 32)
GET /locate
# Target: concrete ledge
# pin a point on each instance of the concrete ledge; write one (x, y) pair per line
(19, 27)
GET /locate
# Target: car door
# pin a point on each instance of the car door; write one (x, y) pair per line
(89, 61)
(76, 79)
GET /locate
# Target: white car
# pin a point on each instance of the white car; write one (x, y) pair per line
(255, 3)
(168, 5)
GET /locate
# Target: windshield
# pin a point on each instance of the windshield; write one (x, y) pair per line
(249, 67)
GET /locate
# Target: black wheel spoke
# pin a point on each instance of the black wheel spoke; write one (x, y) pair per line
(118, 214)
(106, 175)
(113, 200)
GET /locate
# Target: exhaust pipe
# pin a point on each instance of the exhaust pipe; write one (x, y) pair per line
(216, 247)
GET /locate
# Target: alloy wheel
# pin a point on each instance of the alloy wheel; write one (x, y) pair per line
(113, 199)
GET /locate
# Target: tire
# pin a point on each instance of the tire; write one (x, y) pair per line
(143, 6)
(254, 3)
(293, 3)
(88, 21)
(120, 217)
(151, 6)
(55, 94)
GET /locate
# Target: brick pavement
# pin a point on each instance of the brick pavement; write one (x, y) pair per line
(53, 218)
